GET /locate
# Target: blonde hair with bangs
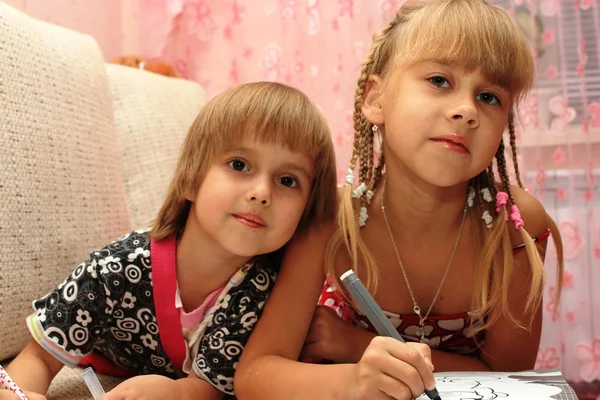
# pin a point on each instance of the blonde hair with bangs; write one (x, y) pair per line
(270, 113)
(474, 35)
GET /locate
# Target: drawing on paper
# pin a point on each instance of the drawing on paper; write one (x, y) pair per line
(496, 385)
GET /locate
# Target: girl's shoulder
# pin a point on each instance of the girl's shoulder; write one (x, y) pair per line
(131, 242)
(131, 248)
(533, 215)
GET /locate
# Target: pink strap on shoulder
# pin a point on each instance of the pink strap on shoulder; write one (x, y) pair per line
(164, 280)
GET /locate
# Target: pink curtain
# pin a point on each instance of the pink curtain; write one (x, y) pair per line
(317, 45)
(114, 24)
(560, 143)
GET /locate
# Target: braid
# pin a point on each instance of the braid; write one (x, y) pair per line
(362, 148)
(364, 163)
(483, 187)
(369, 160)
(358, 118)
(513, 147)
(491, 180)
(537, 265)
(502, 170)
(379, 170)
(398, 18)
(490, 174)
(363, 160)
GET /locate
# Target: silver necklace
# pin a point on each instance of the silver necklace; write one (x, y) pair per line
(416, 308)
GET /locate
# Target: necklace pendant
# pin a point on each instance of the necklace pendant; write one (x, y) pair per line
(417, 310)
(421, 330)
(421, 334)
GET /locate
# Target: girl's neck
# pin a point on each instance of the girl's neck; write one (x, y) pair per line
(202, 265)
(415, 206)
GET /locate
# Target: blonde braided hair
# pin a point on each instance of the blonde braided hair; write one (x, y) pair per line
(477, 29)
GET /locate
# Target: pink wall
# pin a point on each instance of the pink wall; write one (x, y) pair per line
(114, 23)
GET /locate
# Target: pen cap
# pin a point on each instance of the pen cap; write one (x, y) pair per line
(92, 382)
(348, 277)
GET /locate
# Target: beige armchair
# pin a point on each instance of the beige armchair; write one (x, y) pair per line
(86, 152)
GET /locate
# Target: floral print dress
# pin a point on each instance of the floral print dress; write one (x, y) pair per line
(117, 312)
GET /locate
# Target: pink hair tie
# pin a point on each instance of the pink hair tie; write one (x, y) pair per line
(501, 200)
(515, 215)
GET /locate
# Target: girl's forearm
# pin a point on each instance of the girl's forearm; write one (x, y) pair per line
(443, 361)
(281, 378)
(193, 388)
(34, 369)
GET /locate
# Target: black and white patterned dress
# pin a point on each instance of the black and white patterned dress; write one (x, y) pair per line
(110, 305)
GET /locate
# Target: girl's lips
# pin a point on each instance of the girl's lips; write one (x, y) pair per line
(251, 220)
(453, 142)
(455, 147)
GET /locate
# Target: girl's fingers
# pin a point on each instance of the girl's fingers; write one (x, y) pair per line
(419, 357)
(407, 378)
(403, 362)
(394, 389)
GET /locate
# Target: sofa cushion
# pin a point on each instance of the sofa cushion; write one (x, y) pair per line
(153, 114)
(61, 185)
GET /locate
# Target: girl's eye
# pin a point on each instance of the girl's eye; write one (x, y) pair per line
(439, 81)
(488, 98)
(238, 165)
(288, 181)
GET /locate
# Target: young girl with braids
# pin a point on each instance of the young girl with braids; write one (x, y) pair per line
(445, 243)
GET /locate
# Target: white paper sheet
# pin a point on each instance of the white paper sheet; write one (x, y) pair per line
(498, 385)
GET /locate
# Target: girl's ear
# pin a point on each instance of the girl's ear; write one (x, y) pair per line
(371, 101)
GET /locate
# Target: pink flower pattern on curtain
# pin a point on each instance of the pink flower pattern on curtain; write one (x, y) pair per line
(317, 45)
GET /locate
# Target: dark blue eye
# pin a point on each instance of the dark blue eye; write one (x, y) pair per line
(288, 181)
(238, 165)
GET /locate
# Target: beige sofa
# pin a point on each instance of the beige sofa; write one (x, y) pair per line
(86, 152)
